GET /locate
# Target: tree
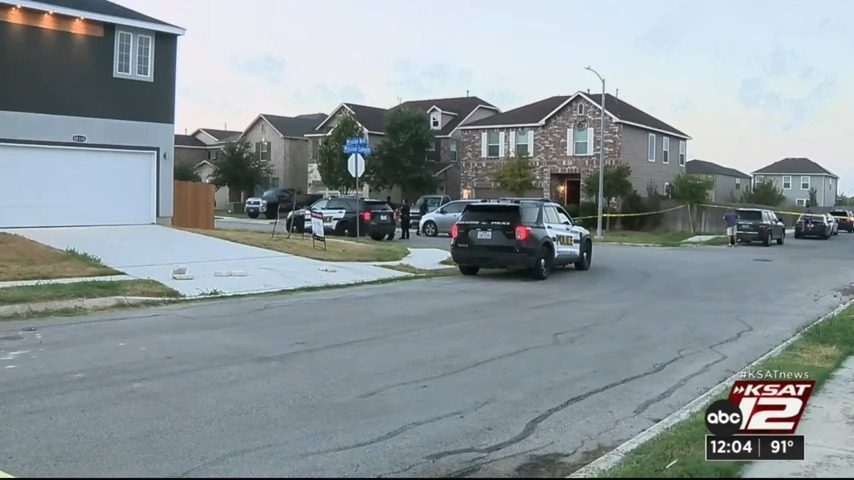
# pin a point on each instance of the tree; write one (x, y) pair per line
(332, 161)
(185, 172)
(617, 183)
(239, 168)
(693, 190)
(765, 193)
(813, 197)
(401, 159)
(516, 174)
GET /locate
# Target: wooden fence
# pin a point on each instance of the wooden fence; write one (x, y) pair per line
(193, 205)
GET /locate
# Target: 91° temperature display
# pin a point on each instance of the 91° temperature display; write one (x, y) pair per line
(755, 447)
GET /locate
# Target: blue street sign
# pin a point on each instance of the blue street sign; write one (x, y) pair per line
(356, 142)
(357, 145)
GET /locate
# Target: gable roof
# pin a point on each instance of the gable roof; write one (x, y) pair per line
(536, 114)
(460, 107)
(189, 141)
(102, 11)
(371, 118)
(221, 135)
(708, 168)
(290, 126)
(798, 166)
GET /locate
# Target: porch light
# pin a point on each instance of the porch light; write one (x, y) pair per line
(561, 188)
(466, 193)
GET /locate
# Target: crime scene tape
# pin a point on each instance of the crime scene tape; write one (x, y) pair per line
(779, 212)
(618, 215)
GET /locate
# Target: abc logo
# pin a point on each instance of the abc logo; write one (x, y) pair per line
(723, 418)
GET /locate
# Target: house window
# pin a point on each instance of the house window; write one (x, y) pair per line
(523, 142)
(805, 183)
(759, 179)
(124, 44)
(263, 147)
(787, 182)
(830, 184)
(263, 128)
(453, 150)
(682, 152)
(665, 153)
(274, 182)
(134, 56)
(581, 144)
(581, 109)
(493, 147)
(801, 202)
(431, 147)
(435, 124)
(143, 56)
(668, 189)
(650, 148)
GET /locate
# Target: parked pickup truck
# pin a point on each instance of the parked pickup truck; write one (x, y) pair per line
(276, 200)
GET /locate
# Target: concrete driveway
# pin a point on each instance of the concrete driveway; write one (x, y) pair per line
(477, 376)
(151, 251)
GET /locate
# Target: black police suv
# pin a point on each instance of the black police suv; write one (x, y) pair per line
(375, 218)
(533, 234)
(759, 225)
(845, 218)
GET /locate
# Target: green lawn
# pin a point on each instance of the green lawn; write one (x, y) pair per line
(85, 290)
(820, 351)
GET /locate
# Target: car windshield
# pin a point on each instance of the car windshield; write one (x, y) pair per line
(492, 212)
(749, 215)
(273, 192)
(839, 214)
(375, 205)
(812, 218)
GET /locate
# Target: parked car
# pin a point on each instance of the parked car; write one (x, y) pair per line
(433, 202)
(537, 235)
(440, 220)
(813, 225)
(845, 219)
(278, 200)
(341, 215)
(759, 225)
(834, 224)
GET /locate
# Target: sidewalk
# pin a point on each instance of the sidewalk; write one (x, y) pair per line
(828, 427)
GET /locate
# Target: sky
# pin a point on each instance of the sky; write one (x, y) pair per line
(751, 82)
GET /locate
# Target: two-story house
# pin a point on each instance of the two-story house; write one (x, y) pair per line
(728, 184)
(796, 177)
(199, 150)
(87, 113)
(282, 141)
(446, 116)
(561, 136)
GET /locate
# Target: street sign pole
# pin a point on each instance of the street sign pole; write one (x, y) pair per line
(358, 213)
(357, 147)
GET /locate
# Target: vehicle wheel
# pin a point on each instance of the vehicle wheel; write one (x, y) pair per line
(377, 237)
(270, 214)
(343, 229)
(767, 240)
(781, 239)
(797, 235)
(252, 215)
(825, 236)
(430, 229)
(543, 264)
(391, 236)
(586, 257)
(469, 270)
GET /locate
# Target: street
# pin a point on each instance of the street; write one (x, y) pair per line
(493, 375)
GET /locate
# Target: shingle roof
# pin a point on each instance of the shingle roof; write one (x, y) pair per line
(708, 168)
(291, 126)
(461, 106)
(372, 118)
(221, 135)
(539, 111)
(188, 141)
(794, 165)
(104, 7)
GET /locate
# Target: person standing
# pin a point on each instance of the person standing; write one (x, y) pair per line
(405, 214)
(731, 219)
(423, 211)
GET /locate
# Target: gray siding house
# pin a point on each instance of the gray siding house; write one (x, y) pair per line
(87, 113)
(729, 184)
(796, 177)
(281, 141)
(561, 135)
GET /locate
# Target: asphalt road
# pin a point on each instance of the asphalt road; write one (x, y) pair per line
(490, 375)
(258, 225)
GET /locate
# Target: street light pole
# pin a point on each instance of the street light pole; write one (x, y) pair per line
(601, 201)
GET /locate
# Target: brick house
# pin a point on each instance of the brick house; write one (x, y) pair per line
(561, 135)
(446, 116)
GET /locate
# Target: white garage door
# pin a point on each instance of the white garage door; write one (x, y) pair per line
(44, 186)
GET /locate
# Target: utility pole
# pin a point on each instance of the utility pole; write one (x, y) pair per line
(601, 201)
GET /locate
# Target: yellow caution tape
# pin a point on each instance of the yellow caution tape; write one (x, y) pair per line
(618, 215)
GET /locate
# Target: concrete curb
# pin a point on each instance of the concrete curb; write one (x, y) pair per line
(89, 303)
(612, 458)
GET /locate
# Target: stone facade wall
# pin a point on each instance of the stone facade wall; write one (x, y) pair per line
(549, 150)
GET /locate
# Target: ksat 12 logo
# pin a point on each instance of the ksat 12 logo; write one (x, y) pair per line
(760, 407)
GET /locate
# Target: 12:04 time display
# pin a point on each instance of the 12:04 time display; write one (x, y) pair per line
(755, 447)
